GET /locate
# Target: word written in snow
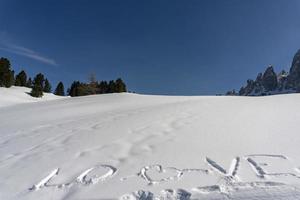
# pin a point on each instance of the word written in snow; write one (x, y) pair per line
(86, 178)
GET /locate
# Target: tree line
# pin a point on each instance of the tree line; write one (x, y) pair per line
(41, 84)
(103, 87)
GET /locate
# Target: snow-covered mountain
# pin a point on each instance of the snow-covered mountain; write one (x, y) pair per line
(269, 82)
(130, 146)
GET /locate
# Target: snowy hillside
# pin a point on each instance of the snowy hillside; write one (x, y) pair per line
(128, 146)
(16, 95)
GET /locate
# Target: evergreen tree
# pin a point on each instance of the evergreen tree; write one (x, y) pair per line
(29, 83)
(47, 86)
(74, 89)
(38, 85)
(120, 86)
(36, 91)
(60, 90)
(21, 79)
(102, 87)
(111, 87)
(88, 89)
(4, 68)
(6, 74)
(10, 78)
(80, 89)
(39, 80)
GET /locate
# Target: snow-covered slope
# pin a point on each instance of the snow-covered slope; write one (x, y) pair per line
(16, 95)
(128, 146)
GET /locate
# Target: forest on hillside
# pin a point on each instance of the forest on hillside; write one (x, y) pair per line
(40, 83)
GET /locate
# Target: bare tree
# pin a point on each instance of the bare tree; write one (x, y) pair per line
(92, 78)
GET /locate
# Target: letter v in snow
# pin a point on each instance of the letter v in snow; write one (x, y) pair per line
(231, 175)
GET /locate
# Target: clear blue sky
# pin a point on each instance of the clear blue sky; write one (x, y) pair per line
(158, 46)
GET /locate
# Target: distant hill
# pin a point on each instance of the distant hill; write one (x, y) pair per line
(17, 95)
(269, 82)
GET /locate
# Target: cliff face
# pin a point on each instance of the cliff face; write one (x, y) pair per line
(294, 75)
(271, 83)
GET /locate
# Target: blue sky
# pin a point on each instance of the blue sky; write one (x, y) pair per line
(193, 47)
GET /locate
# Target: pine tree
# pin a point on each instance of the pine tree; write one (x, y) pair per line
(36, 91)
(47, 86)
(60, 90)
(120, 86)
(38, 85)
(4, 68)
(111, 87)
(21, 79)
(6, 74)
(10, 78)
(73, 91)
(102, 87)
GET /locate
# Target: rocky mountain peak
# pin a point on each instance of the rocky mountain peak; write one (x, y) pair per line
(269, 79)
(294, 75)
(271, 83)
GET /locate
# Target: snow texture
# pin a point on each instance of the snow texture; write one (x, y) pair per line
(130, 146)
